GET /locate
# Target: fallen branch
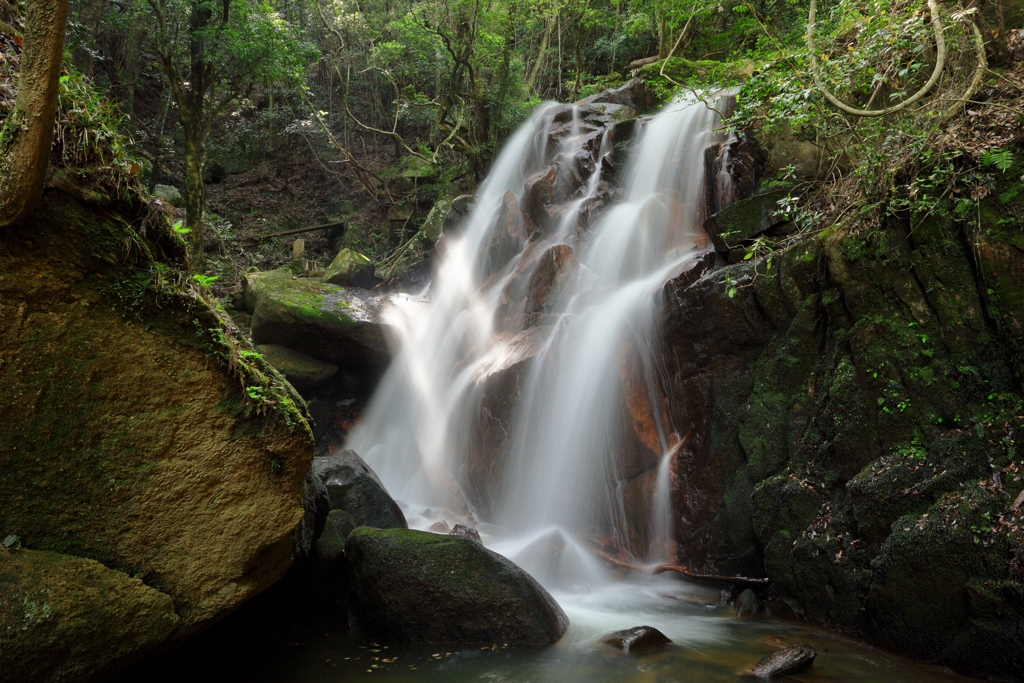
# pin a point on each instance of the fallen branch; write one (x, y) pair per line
(714, 579)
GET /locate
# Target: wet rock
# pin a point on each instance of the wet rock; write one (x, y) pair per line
(338, 325)
(555, 265)
(745, 604)
(331, 544)
(545, 558)
(463, 531)
(315, 507)
(792, 660)
(353, 487)
(637, 639)
(509, 233)
(414, 586)
(69, 619)
(433, 224)
(350, 269)
(745, 219)
(304, 372)
(460, 208)
(440, 527)
(540, 194)
(634, 93)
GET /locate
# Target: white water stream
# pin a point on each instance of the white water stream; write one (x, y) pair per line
(559, 482)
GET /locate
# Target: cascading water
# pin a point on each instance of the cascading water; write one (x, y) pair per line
(593, 335)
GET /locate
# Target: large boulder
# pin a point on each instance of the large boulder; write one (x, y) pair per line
(415, 586)
(126, 439)
(338, 325)
(353, 487)
(65, 618)
(304, 372)
(637, 639)
(350, 269)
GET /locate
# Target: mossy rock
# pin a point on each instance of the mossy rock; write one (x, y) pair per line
(304, 372)
(745, 219)
(349, 269)
(69, 619)
(164, 441)
(334, 324)
(415, 586)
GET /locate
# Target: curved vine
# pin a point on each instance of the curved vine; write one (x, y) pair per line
(940, 63)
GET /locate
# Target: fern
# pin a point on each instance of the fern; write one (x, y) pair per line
(999, 158)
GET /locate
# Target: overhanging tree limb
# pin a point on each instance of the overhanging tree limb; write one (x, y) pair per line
(27, 135)
(940, 63)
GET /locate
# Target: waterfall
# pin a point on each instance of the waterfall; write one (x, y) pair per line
(589, 346)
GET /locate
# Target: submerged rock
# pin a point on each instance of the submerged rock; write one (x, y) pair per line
(793, 660)
(353, 487)
(415, 586)
(65, 618)
(637, 639)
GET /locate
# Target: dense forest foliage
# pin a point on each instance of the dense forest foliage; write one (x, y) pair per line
(373, 110)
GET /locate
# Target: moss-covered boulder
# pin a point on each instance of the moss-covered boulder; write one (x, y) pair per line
(304, 372)
(138, 431)
(68, 619)
(415, 586)
(349, 269)
(339, 325)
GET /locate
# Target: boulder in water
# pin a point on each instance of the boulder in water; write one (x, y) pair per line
(440, 527)
(65, 618)
(746, 604)
(793, 660)
(637, 639)
(463, 531)
(353, 487)
(415, 586)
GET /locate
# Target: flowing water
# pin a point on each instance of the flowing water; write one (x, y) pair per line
(559, 480)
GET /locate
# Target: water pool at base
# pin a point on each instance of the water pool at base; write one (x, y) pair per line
(710, 645)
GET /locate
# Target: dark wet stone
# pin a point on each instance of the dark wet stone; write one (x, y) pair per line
(637, 639)
(353, 487)
(466, 532)
(746, 604)
(792, 660)
(415, 586)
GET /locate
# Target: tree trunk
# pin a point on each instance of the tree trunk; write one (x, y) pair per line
(195, 191)
(195, 125)
(27, 136)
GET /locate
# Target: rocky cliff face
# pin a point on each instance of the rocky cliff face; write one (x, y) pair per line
(125, 438)
(852, 407)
